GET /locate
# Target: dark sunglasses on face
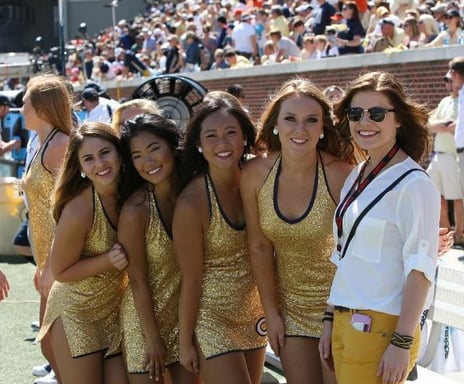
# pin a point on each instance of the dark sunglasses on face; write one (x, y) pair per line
(376, 114)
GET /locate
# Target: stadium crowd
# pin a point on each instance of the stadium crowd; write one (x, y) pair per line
(194, 36)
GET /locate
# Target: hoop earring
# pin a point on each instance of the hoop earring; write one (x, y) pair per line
(83, 174)
(275, 131)
(321, 136)
(200, 149)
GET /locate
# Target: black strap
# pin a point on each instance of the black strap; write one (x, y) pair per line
(110, 111)
(371, 205)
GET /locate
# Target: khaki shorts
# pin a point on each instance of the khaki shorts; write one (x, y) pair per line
(446, 175)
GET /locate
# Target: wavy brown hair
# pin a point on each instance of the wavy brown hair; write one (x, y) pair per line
(412, 135)
(70, 183)
(333, 142)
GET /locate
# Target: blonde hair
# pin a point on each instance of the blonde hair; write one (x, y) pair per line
(431, 27)
(144, 105)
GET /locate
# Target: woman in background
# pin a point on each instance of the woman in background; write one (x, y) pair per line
(47, 111)
(129, 109)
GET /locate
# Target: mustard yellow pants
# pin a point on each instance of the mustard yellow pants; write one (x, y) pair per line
(357, 354)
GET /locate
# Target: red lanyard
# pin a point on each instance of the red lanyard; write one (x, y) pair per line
(357, 188)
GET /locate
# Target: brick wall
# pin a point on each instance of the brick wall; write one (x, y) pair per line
(420, 70)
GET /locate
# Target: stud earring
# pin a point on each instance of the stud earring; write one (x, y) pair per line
(245, 143)
(83, 174)
(200, 149)
(275, 131)
(321, 136)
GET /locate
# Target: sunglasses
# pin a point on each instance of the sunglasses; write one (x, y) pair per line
(376, 114)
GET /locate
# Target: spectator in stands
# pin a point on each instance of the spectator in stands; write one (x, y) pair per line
(323, 14)
(192, 52)
(222, 25)
(210, 43)
(174, 56)
(350, 40)
(234, 60)
(278, 20)
(149, 42)
(261, 26)
(219, 60)
(439, 14)
(269, 54)
(428, 28)
(96, 111)
(309, 50)
(324, 47)
(412, 33)
(399, 7)
(11, 144)
(237, 91)
(244, 38)
(285, 47)
(128, 39)
(298, 32)
(444, 167)
(392, 36)
(453, 32)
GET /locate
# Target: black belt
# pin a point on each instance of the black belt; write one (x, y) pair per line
(341, 308)
(460, 150)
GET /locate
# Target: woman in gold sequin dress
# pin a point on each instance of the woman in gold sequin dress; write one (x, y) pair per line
(289, 195)
(150, 325)
(82, 316)
(222, 335)
(46, 110)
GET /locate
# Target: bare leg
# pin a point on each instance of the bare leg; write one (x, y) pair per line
(444, 219)
(45, 343)
(179, 375)
(459, 217)
(114, 370)
(230, 368)
(255, 363)
(301, 361)
(86, 369)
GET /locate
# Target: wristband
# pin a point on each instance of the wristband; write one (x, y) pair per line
(401, 341)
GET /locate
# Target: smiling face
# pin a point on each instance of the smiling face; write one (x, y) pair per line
(99, 160)
(300, 123)
(375, 137)
(152, 157)
(222, 140)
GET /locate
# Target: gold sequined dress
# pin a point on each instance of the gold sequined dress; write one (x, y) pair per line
(164, 280)
(38, 185)
(89, 308)
(230, 315)
(302, 250)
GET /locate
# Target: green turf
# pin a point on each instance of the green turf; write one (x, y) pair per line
(18, 354)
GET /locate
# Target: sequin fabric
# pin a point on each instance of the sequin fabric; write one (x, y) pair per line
(164, 280)
(38, 185)
(89, 308)
(302, 255)
(230, 316)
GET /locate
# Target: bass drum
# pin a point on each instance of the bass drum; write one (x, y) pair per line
(176, 95)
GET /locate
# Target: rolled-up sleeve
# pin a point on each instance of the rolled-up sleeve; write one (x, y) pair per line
(419, 225)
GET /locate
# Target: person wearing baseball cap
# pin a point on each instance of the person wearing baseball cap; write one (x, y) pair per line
(453, 32)
(11, 144)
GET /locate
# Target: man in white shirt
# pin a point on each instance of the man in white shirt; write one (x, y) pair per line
(456, 71)
(96, 111)
(244, 38)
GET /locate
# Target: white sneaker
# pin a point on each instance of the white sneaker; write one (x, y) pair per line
(49, 379)
(41, 370)
(35, 326)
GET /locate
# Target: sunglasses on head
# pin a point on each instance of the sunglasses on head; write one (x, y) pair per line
(376, 114)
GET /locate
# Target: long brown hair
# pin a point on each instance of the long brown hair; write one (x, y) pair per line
(51, 99)
(70, 183)
(412, 136)
(333, 142)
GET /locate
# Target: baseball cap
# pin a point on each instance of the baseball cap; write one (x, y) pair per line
(5, 100)
(89, 94)
(453, 13)
(387, 20)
